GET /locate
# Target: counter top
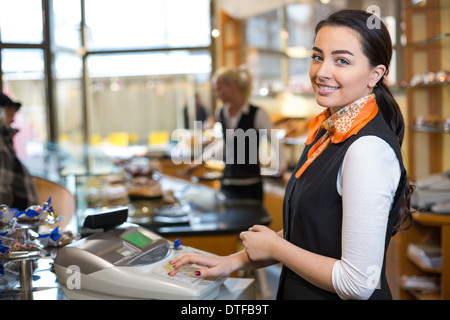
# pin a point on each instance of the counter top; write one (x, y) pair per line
(210, 212)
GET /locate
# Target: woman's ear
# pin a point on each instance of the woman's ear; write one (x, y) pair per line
(377, 73)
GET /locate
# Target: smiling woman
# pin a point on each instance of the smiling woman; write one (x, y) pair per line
(347, 196)
(360, 211)
(340, 72)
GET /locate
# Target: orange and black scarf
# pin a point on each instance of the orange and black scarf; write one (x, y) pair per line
(339, 126)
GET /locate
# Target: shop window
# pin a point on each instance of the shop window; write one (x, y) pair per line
(137, 95)
(149, 50)
(138, 67)
(23, 81)
(68, 92)
(148, 24)
(13, 14)
(149, 63)
(67, 23)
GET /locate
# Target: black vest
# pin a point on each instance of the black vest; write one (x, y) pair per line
(312, 211)
(243, 162)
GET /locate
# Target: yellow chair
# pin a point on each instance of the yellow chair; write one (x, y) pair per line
(63, 201)
(119, 139)
(158, 137)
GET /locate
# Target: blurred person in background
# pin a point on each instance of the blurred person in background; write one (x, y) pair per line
(239, 118)
(17, 188)
(200, 113)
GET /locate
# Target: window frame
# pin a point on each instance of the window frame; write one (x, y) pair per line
(49, 50)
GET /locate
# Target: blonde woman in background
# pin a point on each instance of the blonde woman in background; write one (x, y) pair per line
(243, 124)
(241, 179)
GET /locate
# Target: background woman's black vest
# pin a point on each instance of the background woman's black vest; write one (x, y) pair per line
(235, 169)
(249, 168)
(312, 211)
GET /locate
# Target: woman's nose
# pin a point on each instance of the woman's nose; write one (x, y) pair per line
(324, 71)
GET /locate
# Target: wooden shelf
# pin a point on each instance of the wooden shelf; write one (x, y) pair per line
(420, 295)
(428, 85)
(428, 40)
(429, 130)
(428, 37)
(421, 265)
(426, 226)
(431, 219)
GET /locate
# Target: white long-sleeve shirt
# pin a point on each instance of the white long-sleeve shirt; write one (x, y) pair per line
(367, 181)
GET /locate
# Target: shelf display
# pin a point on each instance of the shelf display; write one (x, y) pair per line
(423, 252)
(428, 72)
(428, 256)
(430, 123)
(421, 283)
(441, 77)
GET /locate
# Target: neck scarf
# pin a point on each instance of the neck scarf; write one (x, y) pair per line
(339, 126)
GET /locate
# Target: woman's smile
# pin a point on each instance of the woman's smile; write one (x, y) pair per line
(324, 89)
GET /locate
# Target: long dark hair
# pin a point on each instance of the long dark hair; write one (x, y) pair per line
(377, 47)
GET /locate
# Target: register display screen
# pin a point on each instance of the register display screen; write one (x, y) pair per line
(137, 238)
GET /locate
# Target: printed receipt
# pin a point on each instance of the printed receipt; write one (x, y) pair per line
(185, 275)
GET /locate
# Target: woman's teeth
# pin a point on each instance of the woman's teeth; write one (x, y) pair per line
(327, 87)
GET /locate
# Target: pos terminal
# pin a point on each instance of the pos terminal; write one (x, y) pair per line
(127, 262)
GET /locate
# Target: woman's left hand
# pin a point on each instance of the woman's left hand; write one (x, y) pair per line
(260, 242)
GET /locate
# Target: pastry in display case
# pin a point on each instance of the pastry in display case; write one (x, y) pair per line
(293, 127)
(142, 179)
(165, 210)
(293, 134)
(105, 190)
(144, 187)
(139, 187)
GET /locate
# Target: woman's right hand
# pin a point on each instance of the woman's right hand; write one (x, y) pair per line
(217, 266)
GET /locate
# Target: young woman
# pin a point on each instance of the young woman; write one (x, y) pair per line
(349, 193)
(233, 87)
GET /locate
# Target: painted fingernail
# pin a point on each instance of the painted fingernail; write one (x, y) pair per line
(197, 273)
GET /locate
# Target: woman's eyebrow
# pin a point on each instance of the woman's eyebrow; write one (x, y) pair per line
(334, 52)
(342, 52)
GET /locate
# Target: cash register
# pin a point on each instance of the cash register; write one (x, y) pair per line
(127, 261)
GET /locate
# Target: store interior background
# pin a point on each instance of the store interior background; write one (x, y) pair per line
(86, 78)
(105, 78)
